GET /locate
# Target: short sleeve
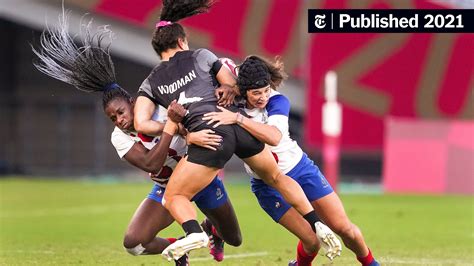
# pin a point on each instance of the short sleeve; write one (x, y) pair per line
(278, 105)
(122, 142)
(145, 90)
(278, 109)
(206, 60)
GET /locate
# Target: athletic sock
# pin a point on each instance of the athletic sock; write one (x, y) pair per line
(368, 260)
(171, 240)
(312, 218)
(303, 258)
(191, 226)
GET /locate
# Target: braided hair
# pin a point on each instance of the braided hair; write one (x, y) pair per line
(256, 72)
(88, 67)
(166, 37)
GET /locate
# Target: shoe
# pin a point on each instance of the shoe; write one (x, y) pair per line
(293, 263)
(328, 240)
(184, 245)
(216, 244)
(183, 261)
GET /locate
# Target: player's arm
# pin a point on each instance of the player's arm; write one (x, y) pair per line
(152, 160)
(209, 63)
(143, 112)
(278, 109)
(266, 133)
(228, 89)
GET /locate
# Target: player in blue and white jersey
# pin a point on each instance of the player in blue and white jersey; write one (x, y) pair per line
(89, 68)
(267, 119)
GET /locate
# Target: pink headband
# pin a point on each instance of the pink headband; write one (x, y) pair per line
(163, 23)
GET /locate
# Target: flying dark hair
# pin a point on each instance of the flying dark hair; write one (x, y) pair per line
(256, 72)
(166, 37)
(88, 67)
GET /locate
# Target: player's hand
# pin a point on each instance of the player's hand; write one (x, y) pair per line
(171, 127)
(182, 130)
(176, 112)
(205, 138)
(225, 95)
(224, 117)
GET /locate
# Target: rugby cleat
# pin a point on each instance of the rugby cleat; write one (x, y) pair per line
(184, 245)
(183, 261)
(216, 244)
(330, 244)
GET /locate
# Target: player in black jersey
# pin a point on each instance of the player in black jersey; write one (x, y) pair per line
(191, 78)
(89, 68)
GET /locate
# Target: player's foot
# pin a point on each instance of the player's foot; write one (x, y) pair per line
(328, 240)
(183, 261)
(216, 244)
(293, 263)
(184, 245)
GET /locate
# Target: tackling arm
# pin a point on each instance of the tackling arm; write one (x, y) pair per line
(143, 112)
(152, 160)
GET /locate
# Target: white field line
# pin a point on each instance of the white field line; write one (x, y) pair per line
(233, 256)
(67, 211)
(384, 260)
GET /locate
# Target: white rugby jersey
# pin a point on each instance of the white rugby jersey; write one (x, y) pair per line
(124, 140)
(287, 153)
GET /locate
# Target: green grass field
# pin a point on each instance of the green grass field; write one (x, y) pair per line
(56, 222)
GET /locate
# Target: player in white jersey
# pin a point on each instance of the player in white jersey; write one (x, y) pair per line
(267, 119)
(151, 217)
(89, 68)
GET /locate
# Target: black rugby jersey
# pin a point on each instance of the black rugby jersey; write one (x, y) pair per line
(189, 78)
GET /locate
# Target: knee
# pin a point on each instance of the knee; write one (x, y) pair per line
(133, 245)
(272, 179)
(345, 230)
(311, 244)
(130, 241)
(167, 200)
(234, 240)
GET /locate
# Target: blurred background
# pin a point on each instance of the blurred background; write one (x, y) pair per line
(402, 147)
(407, 99)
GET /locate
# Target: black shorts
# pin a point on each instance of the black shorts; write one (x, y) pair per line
(235, 139)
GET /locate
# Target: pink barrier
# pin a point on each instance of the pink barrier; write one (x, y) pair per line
(424, 156)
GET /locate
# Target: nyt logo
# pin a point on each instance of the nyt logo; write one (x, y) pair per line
(320, 21)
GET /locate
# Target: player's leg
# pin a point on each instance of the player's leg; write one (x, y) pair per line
(225, 222)
(221, 224)
(264, 165)
(308, 246)
(214, 202)
(315, 186)
(259, 158)
(149, 219)
(185, 182)
(281, 212)
(191, 175)
(331, 211)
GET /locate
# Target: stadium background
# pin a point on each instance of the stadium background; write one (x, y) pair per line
(397, 91)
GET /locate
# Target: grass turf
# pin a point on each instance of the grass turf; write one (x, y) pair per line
(59, 222)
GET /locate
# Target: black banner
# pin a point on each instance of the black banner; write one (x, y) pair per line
(390, 20)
